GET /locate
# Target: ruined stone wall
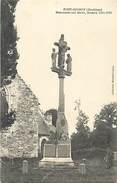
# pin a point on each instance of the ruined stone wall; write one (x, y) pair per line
(21, 139)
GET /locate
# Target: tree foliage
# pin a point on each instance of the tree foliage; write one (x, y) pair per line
(3, 110)
(80, 138)
(107, 115)
(82, 123)
(9, 54)
(101, 136)
(104, 121)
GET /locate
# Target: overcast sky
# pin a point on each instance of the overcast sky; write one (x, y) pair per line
(93, 42)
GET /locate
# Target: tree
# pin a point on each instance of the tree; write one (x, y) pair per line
(107, 115)
(104, 121)
(9, 56)
(80, 138)
(101, 136)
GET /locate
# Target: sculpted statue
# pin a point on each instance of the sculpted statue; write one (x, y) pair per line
(53, 57)
(62, 47)
(69, 62)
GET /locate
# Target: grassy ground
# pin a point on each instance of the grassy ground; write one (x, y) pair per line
(95, 173)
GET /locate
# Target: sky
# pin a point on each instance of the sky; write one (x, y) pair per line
(93, 42)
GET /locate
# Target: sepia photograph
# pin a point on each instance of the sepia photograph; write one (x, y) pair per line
(58, 91)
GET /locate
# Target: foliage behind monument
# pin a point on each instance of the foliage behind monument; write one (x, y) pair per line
(9, 54)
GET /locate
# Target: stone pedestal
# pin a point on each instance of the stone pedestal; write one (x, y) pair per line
(57, 155)
(115, 158)
(82, 169)
(25, 167)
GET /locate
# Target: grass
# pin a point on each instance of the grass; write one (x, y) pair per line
(95, 173)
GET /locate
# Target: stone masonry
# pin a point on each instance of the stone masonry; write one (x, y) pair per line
(21, 139)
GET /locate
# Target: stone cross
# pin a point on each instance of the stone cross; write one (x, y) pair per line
(61, 124)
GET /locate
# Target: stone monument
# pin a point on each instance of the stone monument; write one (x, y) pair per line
(59, 152)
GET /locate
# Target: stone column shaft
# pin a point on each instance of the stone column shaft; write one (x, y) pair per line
(61, 95)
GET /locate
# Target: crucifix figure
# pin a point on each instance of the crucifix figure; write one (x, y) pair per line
(62, 49)
(69, 62)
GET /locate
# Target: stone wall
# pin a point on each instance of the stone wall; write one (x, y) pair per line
(21, 139)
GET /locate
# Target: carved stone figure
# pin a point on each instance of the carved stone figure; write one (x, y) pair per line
(69, 62)
(53, 57)
(62, 46)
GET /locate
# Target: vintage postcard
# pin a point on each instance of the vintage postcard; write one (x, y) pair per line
(58, 91)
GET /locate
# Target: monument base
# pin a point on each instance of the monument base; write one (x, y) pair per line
(57, 155)
(56, 162)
